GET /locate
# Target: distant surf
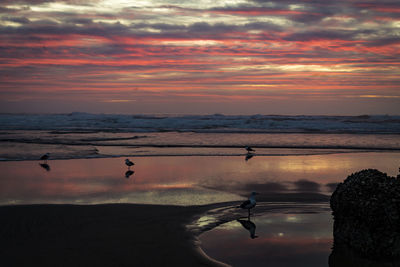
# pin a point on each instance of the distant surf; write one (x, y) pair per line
(86, 122)
(84, 135)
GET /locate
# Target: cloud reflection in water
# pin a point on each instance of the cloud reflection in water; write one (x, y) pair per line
(305, 241)
(200, 179)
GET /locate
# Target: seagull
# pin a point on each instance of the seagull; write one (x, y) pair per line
(45, 157)
(249, 149)
(129, 163)
(250, 226)
(250, 203)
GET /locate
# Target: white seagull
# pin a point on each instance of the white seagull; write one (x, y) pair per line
(129, 163)
(45, 157)
(249, 149)
(250, 203)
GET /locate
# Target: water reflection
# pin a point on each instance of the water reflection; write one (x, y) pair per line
(200, 180)
(128, 173)
(286, 237)
(45, 166)
(248, 156)
(250, 226)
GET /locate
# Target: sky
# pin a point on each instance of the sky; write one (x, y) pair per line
(307, 57)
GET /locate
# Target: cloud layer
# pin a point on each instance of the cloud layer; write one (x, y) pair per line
(211, 51)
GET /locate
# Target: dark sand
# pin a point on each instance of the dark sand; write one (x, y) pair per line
(110, 234)
(99, 235)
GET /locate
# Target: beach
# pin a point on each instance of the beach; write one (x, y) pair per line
(86, 212)
(198, 133)
(99, 235)
(156, 235)
(177, 205)
(121, 234)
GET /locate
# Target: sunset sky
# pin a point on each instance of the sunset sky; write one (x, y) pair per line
(200, 56)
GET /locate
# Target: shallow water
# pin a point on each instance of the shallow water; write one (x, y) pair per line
(297, 231)
(277, 234)
(291, 236)
(184, 180)
(30, 145)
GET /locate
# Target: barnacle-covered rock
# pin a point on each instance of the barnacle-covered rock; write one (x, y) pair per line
(366, 211)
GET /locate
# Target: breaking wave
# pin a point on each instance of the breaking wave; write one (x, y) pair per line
(86, 122)
(84, 135)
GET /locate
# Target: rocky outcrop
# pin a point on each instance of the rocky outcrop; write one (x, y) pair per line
(366, 211)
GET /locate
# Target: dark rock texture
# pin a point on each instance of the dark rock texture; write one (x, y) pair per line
(366, 211)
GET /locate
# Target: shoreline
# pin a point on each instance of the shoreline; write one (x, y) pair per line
(317, 152)
(101, 235)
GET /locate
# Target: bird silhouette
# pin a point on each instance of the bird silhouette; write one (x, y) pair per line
(129, 163)
(250, 203)
(45, 157)
(249, 149)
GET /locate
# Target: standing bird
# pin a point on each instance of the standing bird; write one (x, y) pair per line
(129, 163)
(45, 157)
(250, 203)
(249, 149)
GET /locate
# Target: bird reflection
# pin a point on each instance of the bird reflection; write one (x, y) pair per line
(250, 153)
(250, 226)
(129, 173)
(45, 166)
(248, 156)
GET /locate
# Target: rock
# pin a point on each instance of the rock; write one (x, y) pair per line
(366, 212)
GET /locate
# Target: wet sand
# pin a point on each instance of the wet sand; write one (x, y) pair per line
(99, 235)
(123, 234)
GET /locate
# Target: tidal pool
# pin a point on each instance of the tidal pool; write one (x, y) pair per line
(290, 235)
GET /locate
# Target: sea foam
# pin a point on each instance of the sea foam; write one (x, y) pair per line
(201, 123)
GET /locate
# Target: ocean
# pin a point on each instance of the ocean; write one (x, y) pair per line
(82, 135)
(201, 157)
